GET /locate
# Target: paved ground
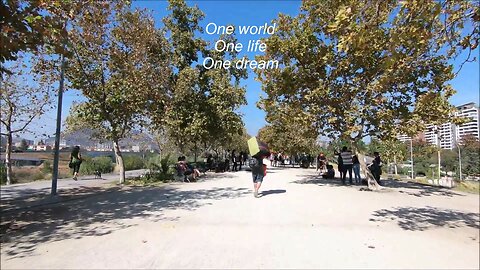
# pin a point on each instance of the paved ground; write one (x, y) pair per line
(299, 222)
(24, 195)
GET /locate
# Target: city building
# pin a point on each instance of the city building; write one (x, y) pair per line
(404, 138)
(472, 127)
(442, 136)
(448, 135)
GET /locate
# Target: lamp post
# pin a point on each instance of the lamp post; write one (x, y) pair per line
(459, 162)
(57, 132)
(411, 156)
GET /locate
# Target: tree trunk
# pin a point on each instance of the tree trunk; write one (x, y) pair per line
(8, 157)
(195, 152)
(119, 159)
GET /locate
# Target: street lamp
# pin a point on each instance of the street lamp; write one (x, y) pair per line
(411, 156)
(459, 162)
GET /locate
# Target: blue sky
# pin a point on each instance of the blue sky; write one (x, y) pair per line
(254, 13)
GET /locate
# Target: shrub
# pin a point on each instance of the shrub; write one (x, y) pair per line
(3, 174)
(160, 169)
(133, 162)
(158, 164)
(102, 164)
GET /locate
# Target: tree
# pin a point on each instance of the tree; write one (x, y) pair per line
(470, 153)
(21, 103)
(120, 64)
(28, 26)
(392, 150)
(203, 104)
(23, 145)
(367, 68)
(422, 154)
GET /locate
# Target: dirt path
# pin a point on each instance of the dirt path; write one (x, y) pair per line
(299, 222)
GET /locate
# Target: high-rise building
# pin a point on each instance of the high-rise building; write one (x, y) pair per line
(472, 127)
(403, 138)
(447, 135)
(442, 136)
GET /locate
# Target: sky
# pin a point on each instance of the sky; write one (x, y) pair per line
(257, 13)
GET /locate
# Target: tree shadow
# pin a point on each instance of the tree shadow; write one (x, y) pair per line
(281, 168)
(421, 219)
(320, 181)
(102, 214)
(419, 190)
(408, 188)
(272, 191)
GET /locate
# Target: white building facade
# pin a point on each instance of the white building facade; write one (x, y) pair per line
(447, 135)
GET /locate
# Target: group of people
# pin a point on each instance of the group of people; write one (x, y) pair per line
(348, 162)
(231, 162)
(279, 159)
(187, 170)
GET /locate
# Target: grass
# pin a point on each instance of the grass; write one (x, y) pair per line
(27, 174)
(142, 182)
(468, 186)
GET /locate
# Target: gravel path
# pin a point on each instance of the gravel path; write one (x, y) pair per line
(299, 222)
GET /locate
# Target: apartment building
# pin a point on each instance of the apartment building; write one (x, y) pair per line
(443, 135)
(472, 127)
(447, 135)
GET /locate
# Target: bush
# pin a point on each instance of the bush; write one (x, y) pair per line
(101, 164)
(133, 162)
(158, 164)
(160, 169)
(3, 174)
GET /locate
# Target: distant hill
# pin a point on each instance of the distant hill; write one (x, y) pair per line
(84, 139)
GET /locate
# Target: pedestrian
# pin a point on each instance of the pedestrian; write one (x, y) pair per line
(321, 163)
(240, 160)
(347, 164)
(75, 161)
(245, 157)
(340, 164)
(234, 161)
(377, 167)
(356, 170)
(258, 173)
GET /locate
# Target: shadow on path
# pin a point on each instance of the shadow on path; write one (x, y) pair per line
(421, 219)
(273, 191)
(419, 190)
(408, 188)
(102, 214)
(318, 180)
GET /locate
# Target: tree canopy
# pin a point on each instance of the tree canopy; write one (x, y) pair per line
(353, 69)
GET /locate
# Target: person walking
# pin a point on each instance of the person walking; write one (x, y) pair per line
(75, 161)
(240, 160)
(234, 161)
(347, 164)
(258, 173)
(356, 170)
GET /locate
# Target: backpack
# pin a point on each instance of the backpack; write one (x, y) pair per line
(252, 162)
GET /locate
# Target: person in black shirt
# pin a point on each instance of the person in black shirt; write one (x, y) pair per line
(376, 167)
